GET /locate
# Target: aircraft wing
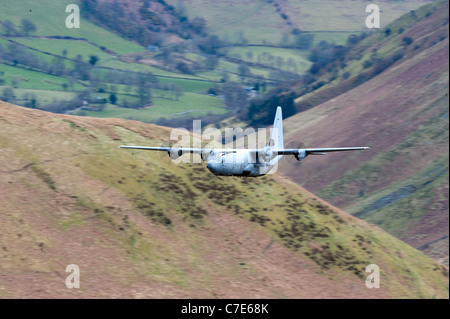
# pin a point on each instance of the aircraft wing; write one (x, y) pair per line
(298, 153)
(166, 149)
(317, 151)
(181, 150)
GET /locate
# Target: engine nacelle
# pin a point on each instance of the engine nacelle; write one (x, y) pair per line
(301, 154)
(174, 153)
(205, 155)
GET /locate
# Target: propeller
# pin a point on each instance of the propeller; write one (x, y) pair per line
(291, 159)
(163, 155)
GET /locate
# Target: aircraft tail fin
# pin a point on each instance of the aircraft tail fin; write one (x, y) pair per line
(276, 138)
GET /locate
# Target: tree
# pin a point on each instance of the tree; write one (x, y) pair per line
(211, 61)
(113, 98)
(235, 96)
(9, 28)
(176, 90)
(284, 39)
(93, 59)
(279, 61)
(27, 26)
(198, 25)
(184, 68)
(244, 70)
(82, 69)
(304, 41)
(352, 39)
(407, 40)
(346, 75)
(367, 64)
(262, 110)
(225, 76)
(7, 94)
(210, 44)
(143, 90)
(31, 101)
(166, 55)
(57, 66)
(241, 39)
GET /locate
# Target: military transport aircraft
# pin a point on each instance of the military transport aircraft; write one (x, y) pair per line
(248, 162)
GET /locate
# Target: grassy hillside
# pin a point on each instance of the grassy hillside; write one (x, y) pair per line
(140, 226)
(401, 185)
(49, 18)
(265, 21)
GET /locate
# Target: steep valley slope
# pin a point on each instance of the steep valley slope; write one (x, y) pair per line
(401, 185)
(139, 226)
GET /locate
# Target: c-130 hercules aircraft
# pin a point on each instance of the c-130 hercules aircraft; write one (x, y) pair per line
(249, 162)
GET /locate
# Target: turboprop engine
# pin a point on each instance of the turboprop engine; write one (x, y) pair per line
(301, 154)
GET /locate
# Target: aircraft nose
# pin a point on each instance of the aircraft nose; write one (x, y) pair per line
(211, 165)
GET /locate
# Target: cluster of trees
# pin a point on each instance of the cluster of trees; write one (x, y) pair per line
(141, 82)
(148, 25)
(74, 103)
(328, 56)
(303, 41)
(382, 63)
(209, 44)
(235, 96)
(297, 39)
(276, 61)
(25, 28)
(262, 109)
(28, 99)
(18, 55)
(136, 84)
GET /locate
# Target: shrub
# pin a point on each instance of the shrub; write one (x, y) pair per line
(407, 40)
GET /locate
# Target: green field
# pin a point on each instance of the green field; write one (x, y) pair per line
(41, 56)
(138, 67)
(73, 47)
(49, 18)
(258, 55)
(190, 103)
(46, 95)
(188, 85)
(29, 79)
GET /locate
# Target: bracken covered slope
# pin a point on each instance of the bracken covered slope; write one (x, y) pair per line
(140, 226)
(401, 185)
